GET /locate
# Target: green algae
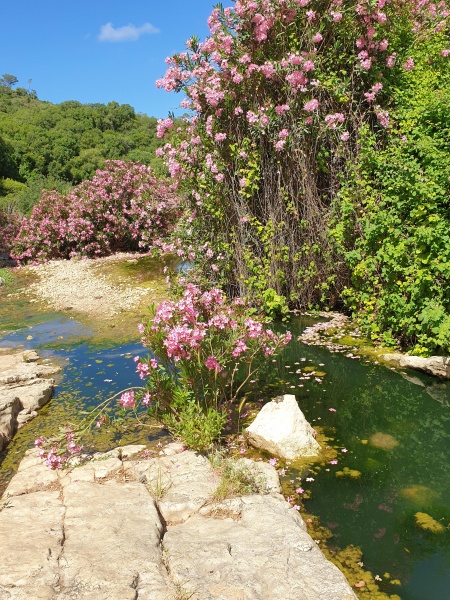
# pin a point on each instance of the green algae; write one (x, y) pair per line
(421, 495)
(426, 522)
(350, 473)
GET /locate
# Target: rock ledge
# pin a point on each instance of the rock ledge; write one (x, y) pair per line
(126, 526)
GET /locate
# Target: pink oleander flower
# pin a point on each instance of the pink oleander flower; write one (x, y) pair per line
(311, 105)
(408, 65)
(142, 369)
(146, 399)
(127, 399)
(317, 38)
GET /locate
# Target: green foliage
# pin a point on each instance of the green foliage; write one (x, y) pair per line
(393, 214)
(197, 426)
(68, 142)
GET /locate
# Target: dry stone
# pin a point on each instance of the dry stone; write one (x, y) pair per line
(9, 411)
(24, 388)
(96, 533)
(265, 554)
(112, 544)
(31, 538)
(280, 428)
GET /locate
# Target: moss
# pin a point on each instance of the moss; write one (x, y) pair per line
(350, 473)
(426, 522)
(349, 561)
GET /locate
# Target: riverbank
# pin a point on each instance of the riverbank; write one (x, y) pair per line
(25, 386)
(109, 295)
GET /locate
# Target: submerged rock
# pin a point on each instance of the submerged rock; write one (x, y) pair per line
(98, 532)
(281, 428)
(386, 441)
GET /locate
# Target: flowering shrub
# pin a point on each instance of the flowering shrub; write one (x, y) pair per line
(123, 207)
(9, 227)
(205, 349)
(279, 92)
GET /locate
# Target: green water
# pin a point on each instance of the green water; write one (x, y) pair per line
(395, 430)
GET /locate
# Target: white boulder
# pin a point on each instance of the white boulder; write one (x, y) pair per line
(281, 429)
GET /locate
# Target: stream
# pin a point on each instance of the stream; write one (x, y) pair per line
(388, 435)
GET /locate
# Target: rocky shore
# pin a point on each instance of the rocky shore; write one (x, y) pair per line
(25, 386)
(127, 525)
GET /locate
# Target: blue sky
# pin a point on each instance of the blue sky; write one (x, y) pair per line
(99, 50)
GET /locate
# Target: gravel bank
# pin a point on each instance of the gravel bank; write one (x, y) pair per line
(79, 285)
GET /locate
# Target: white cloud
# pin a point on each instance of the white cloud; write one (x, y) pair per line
(127, 33)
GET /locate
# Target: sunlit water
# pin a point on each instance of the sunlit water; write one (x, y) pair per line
(395, 431)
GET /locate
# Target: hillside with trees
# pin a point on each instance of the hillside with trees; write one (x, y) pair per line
(56, 146)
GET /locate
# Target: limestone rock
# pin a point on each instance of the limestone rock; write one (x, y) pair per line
(9, 409)
(181, 483)
(22, 377)
(31, 476)
(266, 554)
(31, 538)
(85, 538)
(281, 429)
(434, 365)
(112, 544)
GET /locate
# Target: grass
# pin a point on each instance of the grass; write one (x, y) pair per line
(6, 276)
(236, 479)
(159, 485)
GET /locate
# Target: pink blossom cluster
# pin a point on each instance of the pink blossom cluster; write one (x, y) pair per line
(220, 74)
(56, 451)
(10, 222)
(203, 331)
(124, 206)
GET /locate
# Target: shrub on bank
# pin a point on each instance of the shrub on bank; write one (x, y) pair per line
(123, 207)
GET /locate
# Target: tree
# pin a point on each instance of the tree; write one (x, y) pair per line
(9, 80)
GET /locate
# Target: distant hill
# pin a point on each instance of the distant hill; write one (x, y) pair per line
(45, 145)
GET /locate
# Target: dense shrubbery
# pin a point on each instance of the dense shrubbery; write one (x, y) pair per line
(55, 146)
(280, 92)
(292, 99)
(9, 227)
(124, 207)
(394, 215)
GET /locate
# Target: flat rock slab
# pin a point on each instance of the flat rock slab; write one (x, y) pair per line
(264, 553)
(31, 539)
(112, 544)
(438, 366)
(110, 529)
